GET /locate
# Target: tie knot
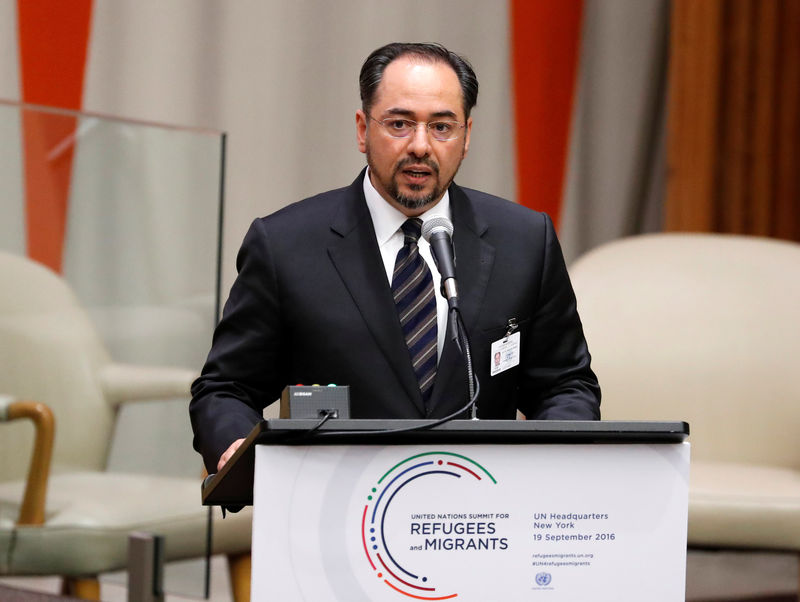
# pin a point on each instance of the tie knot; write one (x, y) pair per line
(412, 229)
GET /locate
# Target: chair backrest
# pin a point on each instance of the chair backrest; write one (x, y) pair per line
(50, 352)
(703, 328)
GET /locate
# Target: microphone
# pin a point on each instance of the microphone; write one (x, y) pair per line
(437, 231)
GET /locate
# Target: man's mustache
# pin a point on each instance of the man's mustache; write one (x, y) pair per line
(426, 161)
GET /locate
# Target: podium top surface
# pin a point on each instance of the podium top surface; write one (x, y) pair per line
(233, 485)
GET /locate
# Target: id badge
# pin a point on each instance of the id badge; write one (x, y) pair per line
(505, 353)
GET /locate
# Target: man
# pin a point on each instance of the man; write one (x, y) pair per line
(332, 289)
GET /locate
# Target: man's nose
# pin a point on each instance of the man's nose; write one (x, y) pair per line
(419, 144)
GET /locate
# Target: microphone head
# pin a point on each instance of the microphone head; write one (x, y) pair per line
(437, 224)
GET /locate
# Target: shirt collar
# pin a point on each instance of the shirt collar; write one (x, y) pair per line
(387, 220)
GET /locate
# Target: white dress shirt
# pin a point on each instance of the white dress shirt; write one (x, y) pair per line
(387, 222)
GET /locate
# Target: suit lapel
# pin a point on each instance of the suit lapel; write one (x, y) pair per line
(357, 259)
(474, 261)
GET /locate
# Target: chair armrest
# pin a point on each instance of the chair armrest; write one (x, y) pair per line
(33, 502)
(122, 383)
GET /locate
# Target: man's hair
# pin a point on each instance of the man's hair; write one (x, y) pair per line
(373, 68)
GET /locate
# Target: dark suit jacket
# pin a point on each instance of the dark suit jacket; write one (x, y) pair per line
(312, 304)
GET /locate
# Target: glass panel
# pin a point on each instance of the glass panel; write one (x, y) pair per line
(129, 214)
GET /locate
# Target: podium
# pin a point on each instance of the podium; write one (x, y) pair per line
(468, 510)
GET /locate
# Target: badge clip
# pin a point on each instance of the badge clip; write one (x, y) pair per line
(512, 327)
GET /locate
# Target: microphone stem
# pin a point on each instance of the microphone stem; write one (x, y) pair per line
(463, 345)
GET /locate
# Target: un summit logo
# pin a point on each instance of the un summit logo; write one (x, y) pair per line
(543, 579)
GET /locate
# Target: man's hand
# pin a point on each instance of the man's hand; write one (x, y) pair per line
(228, 453)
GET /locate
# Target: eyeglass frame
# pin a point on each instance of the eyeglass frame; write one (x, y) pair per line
(459, 126)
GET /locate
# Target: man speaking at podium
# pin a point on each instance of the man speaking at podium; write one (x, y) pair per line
(340, 288)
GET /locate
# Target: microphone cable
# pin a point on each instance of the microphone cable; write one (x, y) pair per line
(462, 342)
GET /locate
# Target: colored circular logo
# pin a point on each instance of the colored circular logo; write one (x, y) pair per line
(376, 538)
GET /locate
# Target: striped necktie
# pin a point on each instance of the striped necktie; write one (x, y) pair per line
(412, 287)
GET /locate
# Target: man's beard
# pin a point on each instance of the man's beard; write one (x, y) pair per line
(417, 202)
(414, 202)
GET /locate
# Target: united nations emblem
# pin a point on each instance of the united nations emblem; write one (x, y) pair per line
(543, 579)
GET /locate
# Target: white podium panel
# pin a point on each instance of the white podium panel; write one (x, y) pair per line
(475, 523)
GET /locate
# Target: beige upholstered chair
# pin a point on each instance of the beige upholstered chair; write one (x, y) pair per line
(73, 518)
(706, 328)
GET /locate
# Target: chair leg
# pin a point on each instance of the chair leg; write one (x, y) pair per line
(239, 567)
(85, 588)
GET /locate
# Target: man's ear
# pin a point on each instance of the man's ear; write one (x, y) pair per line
(467, 135)
(361, 130)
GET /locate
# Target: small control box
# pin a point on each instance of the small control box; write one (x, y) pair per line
(315, 401)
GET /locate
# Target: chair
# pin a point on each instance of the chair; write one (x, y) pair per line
(69, 516)
(706, 328)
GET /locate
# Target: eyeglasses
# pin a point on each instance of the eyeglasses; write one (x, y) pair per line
(403, 128)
